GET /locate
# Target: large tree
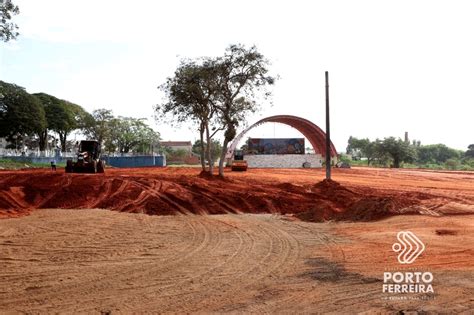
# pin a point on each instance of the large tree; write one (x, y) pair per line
(217, 94)
(365, 148)
(191, 94)
(48, 102)
(129, 134)
(21, 114)
(62, 117)
(216, 148)
(8, 30)
(65, 118)
(470, 152)
(399, 150)
(436, 153)
(97, 126)
(242, 74)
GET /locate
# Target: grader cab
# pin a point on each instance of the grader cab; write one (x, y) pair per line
(88, 159)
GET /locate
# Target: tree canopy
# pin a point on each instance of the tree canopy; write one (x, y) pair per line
(20, 113)
(371, 150)
(399, 150)
(242, 75)
(128, 134)
(191, 95)
(470, 152)
(436, 153)
(395, 152)
(217, 94)
(97, 126)
(8, 30)
(23, 114)
(216, 148)
(49, 104)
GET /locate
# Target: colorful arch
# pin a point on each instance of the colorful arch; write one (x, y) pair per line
(313, 133)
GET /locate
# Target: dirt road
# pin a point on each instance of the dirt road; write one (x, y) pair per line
(105, 261)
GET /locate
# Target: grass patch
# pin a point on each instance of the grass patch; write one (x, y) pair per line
(9, 164)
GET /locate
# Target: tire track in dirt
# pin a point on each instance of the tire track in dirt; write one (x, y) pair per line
(199, 241)
(92, 261)
(231, 278)
(228, 270)
(39, 203)
(14, 201)
(106, 193)
(311, 236)
(158, 191)
(167, 199)
(181, 271)
(232, 269)
(150, 269)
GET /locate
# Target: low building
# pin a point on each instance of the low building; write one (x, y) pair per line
(284, 161)
(178, 145)
(279, 153)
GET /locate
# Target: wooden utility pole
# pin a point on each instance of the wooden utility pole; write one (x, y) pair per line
(328, 134)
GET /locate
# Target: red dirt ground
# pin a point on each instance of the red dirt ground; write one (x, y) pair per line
(359, 194)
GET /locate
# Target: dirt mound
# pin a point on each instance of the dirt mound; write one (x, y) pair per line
(343, 204)
(374, 208)
(173, 191)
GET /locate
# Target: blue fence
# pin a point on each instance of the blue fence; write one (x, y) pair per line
(116, 161)
(135, 161)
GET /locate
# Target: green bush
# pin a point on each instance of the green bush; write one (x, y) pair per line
(432, 166)
(452, 164)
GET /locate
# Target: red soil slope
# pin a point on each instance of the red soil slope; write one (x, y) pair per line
(366, 194)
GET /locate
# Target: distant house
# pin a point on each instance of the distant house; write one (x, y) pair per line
(178, 145)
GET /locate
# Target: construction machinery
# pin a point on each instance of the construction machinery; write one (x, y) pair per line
(88, 159)
(238, 162)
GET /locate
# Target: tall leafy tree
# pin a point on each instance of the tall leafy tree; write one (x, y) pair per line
(149, 140)
(65, 118)
(216, 148)
(436, 153)
(470, 152)
(399, 150)
(21, 114)
(365, 148)
(98, 125)
(131, 134)
(48, 102)
(8, 30)
(217, 94)
(62, 117)
(242, 75)
(357, 147)
(191, 94)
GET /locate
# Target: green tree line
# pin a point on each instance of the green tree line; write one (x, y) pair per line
(40, 115)
(396, 152)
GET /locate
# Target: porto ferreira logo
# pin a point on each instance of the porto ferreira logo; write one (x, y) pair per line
(409, 247)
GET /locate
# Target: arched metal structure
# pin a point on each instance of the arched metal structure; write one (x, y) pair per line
(313, 133)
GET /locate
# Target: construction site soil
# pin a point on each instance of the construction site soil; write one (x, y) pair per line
(82, 260)
(354, 195)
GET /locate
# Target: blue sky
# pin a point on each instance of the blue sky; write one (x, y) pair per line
(394, 66)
